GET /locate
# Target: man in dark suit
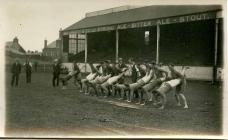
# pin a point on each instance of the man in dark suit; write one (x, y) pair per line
(56, 73)
(15, 70)
(28, 70)
(35, 65)
(135, 71)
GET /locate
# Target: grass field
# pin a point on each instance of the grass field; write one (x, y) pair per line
(38, 109)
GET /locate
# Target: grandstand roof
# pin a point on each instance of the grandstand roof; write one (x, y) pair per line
(141, 14)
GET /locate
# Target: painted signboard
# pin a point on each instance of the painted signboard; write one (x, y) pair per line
(147, 23)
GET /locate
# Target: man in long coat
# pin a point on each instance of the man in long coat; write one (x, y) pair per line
(15, 70)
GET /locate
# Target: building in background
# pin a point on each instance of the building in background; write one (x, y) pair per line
(52, 49)
(14, 47)
(33, 53)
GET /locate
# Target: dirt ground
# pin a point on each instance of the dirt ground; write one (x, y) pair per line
(38, 109)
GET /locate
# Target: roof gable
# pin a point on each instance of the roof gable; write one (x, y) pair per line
(11, 44)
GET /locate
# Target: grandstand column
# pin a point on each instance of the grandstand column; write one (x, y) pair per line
(216, 52)
(61, 43)
(117, 45)
(158, 40)
(85, 50)
(65, 50)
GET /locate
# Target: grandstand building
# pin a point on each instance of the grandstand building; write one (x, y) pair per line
(182, 34)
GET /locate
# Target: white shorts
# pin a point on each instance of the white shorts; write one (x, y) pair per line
(173, 83)
(146, 79)
(96, 80)
(91, 76)
(113, 79)
(102, 79)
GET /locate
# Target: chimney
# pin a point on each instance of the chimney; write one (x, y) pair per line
(15, 40)
(45, 43)
(60, 33)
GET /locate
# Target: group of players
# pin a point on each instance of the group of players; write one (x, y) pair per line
(149, 82)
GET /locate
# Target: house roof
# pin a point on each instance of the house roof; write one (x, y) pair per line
(11, 44)
(141, 14)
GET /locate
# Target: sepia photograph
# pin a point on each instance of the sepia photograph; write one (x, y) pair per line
(113, 69)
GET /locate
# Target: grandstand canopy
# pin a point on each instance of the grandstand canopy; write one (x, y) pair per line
(143, 17)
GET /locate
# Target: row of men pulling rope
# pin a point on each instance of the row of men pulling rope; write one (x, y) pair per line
(108, 79)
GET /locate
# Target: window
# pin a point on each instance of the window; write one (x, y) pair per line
(81, 45)
(76, 43)
(147, 37)
(72, 43)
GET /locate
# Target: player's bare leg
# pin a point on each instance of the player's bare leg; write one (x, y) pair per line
(184, 100)
(80, 85)
(104, 87)
(163, 101)
(177, 97)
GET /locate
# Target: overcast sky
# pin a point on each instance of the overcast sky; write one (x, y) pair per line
(34, 20)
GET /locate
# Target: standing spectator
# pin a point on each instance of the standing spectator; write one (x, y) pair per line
(56, 73)
(28, 71)
(15, 70)
(35, 65)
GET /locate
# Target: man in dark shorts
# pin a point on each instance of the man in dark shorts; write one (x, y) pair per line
(100, 78)
(88, 78)
(116, 74)
(141, 82)
(136, 73)
(78, 75)
(120, 65)
(74, 73)
(159, 77)
(177, 81)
